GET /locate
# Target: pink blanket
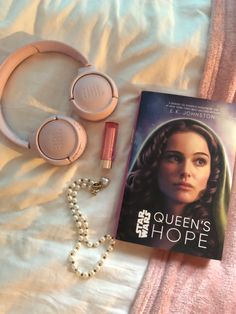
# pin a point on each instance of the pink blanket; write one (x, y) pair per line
(177, 283)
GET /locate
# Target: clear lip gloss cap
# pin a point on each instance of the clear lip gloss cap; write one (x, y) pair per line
(108, 146)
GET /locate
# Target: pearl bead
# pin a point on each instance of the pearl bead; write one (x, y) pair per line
(73, 267)
(97, 267)
(86, 239)
(100, 263)
(102, 239)
(84, 185)
(74, 193)
(91, 273)
(105, 181)
(84, 275)
(71, 258)
(95, 244)
(105, 255)
(78, 245)
(85, 224)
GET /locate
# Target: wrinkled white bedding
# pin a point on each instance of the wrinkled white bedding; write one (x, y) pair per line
(143, 45)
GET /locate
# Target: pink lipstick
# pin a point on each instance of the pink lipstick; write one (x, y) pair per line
(108, 146)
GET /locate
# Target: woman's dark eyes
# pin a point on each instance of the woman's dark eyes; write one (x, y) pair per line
(200, 162)
(173, 158)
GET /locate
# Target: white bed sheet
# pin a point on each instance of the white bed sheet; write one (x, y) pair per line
(143, 45)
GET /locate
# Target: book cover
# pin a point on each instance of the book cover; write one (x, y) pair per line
(177, 188)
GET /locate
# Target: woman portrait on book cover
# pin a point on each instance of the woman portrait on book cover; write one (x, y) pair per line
(181, 177)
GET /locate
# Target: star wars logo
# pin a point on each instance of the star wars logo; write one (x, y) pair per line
(143, 223)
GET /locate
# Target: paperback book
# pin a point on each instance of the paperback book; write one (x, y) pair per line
(177, 187)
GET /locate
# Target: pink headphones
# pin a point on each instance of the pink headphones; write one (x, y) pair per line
(61, 140)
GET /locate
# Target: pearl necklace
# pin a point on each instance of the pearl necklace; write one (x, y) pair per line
(81, 224)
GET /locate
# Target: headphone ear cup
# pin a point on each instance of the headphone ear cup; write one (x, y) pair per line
(94, 95)
(59, 140)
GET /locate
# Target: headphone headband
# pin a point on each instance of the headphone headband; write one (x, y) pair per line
(15, 59)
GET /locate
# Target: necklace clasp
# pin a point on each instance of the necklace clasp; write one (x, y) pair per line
(96, 187)
(99, 185)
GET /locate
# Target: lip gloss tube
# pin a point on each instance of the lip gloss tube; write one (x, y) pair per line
(108, 146)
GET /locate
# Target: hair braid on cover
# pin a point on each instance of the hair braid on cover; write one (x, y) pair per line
(141, 181)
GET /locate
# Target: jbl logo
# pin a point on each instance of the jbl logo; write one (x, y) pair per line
(91, 92)
(56, 139)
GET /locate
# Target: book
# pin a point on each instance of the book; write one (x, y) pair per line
(177, 187)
